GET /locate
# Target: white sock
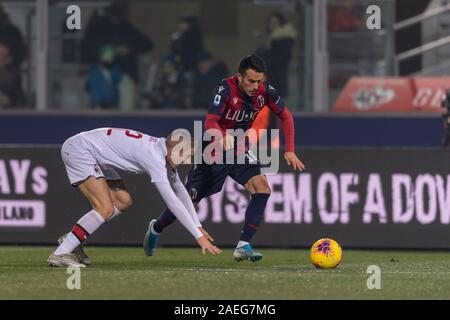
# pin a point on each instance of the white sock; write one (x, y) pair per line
(67, 246)
(241, 244)
(84, 227)
(116, 213)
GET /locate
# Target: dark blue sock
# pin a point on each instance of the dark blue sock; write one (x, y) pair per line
(254, 215)
(165, 219)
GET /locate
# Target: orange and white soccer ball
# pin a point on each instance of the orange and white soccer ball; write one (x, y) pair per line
(326, 254)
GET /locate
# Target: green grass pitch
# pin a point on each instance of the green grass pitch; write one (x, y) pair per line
(183, 273)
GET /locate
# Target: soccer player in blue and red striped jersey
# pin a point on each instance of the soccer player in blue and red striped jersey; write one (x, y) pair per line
(236, 103)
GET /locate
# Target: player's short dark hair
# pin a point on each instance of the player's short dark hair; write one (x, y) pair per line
(252, 62)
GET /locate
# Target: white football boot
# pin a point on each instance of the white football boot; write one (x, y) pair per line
(78, 252)
(64, 260)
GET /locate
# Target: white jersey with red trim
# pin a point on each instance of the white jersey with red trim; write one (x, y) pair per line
(127, 150)
(130, 151)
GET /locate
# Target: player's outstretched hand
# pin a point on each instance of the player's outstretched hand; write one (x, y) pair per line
(208, 246)
(292, 160)
(206, 234)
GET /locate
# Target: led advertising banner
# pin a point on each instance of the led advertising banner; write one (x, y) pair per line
(364, 198)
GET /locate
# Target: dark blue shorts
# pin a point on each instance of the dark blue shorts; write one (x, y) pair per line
(204, 180)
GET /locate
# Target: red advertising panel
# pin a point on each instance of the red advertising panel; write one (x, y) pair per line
(392, 95)
(428, 93)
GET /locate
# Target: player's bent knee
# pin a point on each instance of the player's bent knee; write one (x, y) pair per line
(260, 185)
(124, 204)
(263, 189)
(105, 210)
(122, 200)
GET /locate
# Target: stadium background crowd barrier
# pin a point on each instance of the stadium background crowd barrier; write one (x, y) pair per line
(343, 129)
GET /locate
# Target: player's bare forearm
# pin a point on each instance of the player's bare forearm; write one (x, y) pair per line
(292, 160)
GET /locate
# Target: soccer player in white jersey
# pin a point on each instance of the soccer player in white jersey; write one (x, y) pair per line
(91, 158)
